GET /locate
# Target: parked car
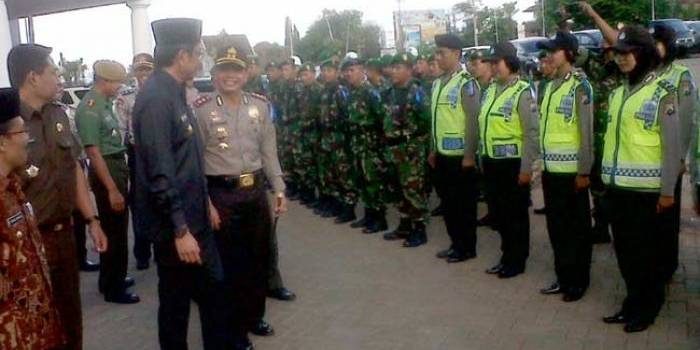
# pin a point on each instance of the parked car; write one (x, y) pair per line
(695, 27)
(591, 39)
(72, 96)
(528, 53)
(685, 37)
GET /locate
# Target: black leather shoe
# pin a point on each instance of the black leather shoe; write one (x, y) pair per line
(262, 329)
(282, 294)
(573, 294)
(601, 235)
(89, 266)
(555, 288)
(123, 298)
(456, 257)
(616, 318)
(540, 211)
(129, 282)
(510, 272)
(378, 223)
(494, 270)
(245, 344)
(444, 254)
(635, 326)
(331, 210)
(401, 232)
(439, 211)
(143, 265)
(417, 237)
(347, 214)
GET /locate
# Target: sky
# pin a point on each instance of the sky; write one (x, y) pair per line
(105, 32)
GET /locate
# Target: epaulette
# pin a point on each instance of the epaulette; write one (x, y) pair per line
(580, 75)
(201, 100)
(127, 91)
(667, 86)
(259, 97)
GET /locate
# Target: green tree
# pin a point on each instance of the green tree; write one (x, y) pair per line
(335, 31)
(270, 52)
(492, 23)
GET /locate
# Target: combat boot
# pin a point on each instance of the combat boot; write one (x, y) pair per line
(292, 191)
(378, 222)
(362, 222)
(400, 232)
(417, 237)
(347, 214)
(321, 205)
(331, 208)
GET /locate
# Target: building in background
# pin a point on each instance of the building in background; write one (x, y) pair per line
(411, 28)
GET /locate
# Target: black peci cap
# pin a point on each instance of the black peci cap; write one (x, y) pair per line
(9, 104)
(177, 31)
(449, 41)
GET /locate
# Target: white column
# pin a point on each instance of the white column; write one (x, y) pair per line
(5, 44)
(140, 26)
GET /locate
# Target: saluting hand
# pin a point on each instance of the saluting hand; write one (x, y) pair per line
(99, 239)
(188, 249)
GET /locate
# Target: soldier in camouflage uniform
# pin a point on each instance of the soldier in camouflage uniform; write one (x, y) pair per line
(605, 77)
(406, 128)
(374, 74)
(256, 84)
(335, 158)
(290, 128)
(305, 150)
(366, 118)
(274, 94)
(421, 69)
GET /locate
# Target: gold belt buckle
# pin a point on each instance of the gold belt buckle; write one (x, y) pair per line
(246, 180)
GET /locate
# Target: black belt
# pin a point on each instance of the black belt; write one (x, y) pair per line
(115, 156)
(246, 180)
(55, 225)
(395, 141)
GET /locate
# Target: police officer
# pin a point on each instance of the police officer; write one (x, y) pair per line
(142, 67)
(640, 168)
(406, 129)
(98, 128)
(508, 126)
(680, 77)
(566, 141)
(366, 116)
(240, 151)
(170, 195)
(28, 316)
(455, 103)
(55, 184)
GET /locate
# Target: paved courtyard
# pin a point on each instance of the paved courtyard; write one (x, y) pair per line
(359, 292)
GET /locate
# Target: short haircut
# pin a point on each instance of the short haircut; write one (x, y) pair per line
(24, 59)
(513, 63)
(164, 55)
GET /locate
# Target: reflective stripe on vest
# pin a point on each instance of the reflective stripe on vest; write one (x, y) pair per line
(559, 129)
(449, 120)
(501, 135)
(632, 156)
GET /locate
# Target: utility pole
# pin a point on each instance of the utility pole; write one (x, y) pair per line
(476, 28)
(495, 18)
(544, 20)
(653, 10)
(399, 28)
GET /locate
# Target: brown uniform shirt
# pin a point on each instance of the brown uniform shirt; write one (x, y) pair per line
(28, 317)
(53, 149)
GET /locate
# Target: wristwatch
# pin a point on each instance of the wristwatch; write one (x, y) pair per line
(181, 231)
(92, 219)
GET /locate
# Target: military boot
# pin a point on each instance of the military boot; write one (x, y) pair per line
(292, 191)
(378, 222)
(362, 222)
(321, 205)
(331, 208)
(400, 232)
(347, 214)
(417, 237)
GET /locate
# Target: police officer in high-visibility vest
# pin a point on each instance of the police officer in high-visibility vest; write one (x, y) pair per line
(508, 142)
(682, 80)
(455, 109)
(566, 143)
(641, 162)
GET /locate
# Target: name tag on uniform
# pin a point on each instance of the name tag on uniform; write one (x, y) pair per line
(505, 151)
(14, 219)
(452, 143)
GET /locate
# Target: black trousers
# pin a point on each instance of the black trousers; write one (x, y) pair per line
(638, 234)
(244, 247)
(142, 244)
(509, 207)
(459, 202)
(569, 228)
(178, 286)
(80, 232)
(672, 228)
(113, 262)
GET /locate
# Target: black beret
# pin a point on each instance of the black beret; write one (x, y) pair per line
(9, 104)
(450, 41)
(177, 31)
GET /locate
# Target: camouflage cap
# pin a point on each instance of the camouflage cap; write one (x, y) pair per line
(109, 70)
(403, 58)
(332, 62)
(374, 63)
(386, 60)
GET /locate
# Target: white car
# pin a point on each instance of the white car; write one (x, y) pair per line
(72, 96)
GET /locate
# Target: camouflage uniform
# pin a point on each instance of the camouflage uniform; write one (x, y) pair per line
(256, 85)
(289, 129)
(276, 97)
(366, 116)
(406, 127)
(305, 150)
(335, 159)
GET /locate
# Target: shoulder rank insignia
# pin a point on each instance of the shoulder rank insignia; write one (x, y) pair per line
(201, 100)
(259, 97)
(667, 86)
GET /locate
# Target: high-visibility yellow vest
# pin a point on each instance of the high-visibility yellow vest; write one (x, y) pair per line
(674, 74)
(499, 122)
(560, 140)
(632, 156)
(449, 120)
